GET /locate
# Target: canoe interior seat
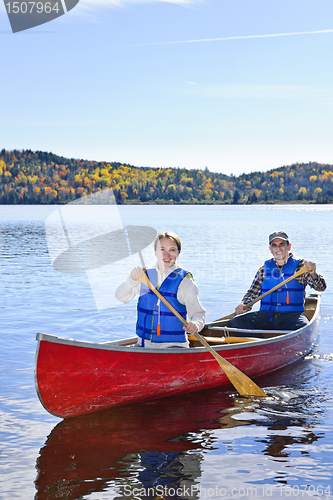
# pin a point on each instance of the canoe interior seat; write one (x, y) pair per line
(218, 339)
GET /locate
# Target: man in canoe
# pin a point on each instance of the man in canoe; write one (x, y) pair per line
(283, 309)
(156, 325)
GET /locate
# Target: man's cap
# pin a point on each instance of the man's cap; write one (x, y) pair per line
(278, 234)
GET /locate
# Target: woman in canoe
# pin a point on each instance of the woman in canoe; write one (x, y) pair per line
(156, 325)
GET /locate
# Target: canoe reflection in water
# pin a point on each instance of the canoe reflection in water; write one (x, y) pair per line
(163, 443)
(139, 446)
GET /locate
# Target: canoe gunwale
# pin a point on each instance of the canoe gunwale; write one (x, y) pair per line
(107, 346)
(116, 345)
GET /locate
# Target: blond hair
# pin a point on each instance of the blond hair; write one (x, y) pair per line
(171, 236)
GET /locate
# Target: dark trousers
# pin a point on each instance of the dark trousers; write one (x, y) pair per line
(260, 320)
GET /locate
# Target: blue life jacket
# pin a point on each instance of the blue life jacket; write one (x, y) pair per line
(152, 311)
(288, 298)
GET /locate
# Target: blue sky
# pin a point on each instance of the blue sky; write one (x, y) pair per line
(188, 83)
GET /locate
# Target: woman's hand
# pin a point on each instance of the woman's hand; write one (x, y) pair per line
(137, 273)
(191, 328)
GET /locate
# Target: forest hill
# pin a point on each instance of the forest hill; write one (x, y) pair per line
(28, 177)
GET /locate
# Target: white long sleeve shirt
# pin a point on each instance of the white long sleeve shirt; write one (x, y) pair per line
(188, 295)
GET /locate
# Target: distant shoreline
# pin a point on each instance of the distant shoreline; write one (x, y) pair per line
(41, 178)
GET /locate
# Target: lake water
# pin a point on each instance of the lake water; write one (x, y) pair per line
(203, 445)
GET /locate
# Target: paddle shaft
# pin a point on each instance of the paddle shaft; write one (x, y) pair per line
(242, 383)
(303, 270)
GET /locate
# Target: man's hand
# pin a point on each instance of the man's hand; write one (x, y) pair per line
(241, 309)
(311, 266)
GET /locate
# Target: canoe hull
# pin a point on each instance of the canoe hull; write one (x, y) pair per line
(74, 378)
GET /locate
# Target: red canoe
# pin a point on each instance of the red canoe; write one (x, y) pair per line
(74, 378)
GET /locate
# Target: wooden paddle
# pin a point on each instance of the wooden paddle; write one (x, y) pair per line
(244, 385)
(303, 270)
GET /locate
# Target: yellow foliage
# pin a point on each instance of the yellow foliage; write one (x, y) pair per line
(257, 192)
(313, 178)
(208, 193)
(326, 175)
(302, 190)
(32, 179)
(318, 190)
(185, 179)
(106, 181)
(2, 167)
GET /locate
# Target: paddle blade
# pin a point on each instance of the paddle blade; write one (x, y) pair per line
(242, 383)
